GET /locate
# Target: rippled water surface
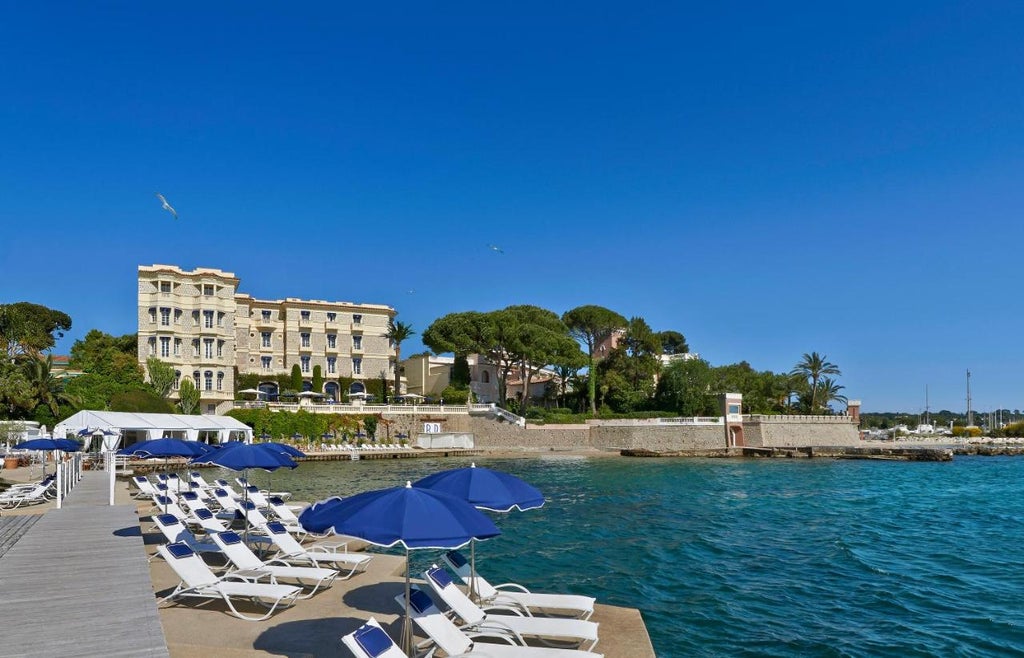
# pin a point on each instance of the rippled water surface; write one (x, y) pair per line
(759, 558)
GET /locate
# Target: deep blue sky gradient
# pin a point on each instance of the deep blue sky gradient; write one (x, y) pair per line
(767, 178)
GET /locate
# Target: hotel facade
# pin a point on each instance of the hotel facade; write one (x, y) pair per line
(198, 322)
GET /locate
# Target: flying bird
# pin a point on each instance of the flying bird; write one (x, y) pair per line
(496, 249)
(166, 206)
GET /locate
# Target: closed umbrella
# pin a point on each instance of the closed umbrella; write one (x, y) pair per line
(408, 516)
(487, 489)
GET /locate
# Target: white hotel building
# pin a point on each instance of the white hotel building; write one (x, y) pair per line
(200, 324)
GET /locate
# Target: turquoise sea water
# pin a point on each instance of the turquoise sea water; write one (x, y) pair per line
(759, 558)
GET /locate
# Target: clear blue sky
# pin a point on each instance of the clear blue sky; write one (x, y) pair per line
(767, 178)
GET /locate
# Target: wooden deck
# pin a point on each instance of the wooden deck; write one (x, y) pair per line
(77, 582)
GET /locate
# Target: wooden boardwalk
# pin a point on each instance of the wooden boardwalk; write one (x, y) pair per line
(77, 582)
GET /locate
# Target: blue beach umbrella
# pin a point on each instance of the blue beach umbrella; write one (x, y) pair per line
(239, 456)
(483, 488)
(165, 448)
(291, 451)
(408, 516)
(47, 444)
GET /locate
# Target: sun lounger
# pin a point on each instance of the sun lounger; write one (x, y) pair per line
(291, 551)
(581, 607)
(144, 488)
(37, 494)
(454, 641)
(198, 581)
(579, 633)
(176, 532)
(245, 560)
(370, 641)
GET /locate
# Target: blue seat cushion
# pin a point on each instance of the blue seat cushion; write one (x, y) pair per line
(440, 576)
(179, 550)
(457, 559)
(276, 528)
(373, 640)
(229, 537)
(419, 600)
(167, 519)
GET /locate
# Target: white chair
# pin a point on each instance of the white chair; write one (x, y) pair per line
(246, 561)
(370, 641)
(581, 607)
(37, 494)
(198, 581)
(291, 551)
(581, 634)
(144, 488)
(176, 532)
(454, 641)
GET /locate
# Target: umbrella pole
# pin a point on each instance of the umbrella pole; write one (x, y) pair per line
(472, 571)
(407, 627)
(245, 507)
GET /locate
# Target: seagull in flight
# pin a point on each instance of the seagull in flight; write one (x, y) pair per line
(166, 206)
(496, 249)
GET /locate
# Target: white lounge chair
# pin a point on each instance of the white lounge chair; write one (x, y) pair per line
(370, 641)
(176, 532)
(198, 581)
(577, 632)
(144, 488)
(291, 551)
(454, 641)
(37, 494)
(581, 607)
(245, 560)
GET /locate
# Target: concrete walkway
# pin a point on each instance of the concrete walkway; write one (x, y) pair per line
(77, 582)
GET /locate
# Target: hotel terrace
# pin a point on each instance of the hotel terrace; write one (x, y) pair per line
(200, 324)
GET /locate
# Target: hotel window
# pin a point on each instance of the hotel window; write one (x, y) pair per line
(220, 349)
(208, 381)
(195, 318)
(220, 381)
(331, 317)
(304, 315)
(177, 379)
(165, 317)
(177, 316)
(208, 292)
(220, 319)
(332, 366)
(152, 315)
(195, 379)
(208, 319)
(357, 366)
(152, 346)
(305, 339)
(195, 348)
(332, 341)
(265, 336)
(177, 347)
(266, 360)
(208, 344)
(165, 346)
(266, 315)
(357, 319)
(165, 286)
(357, 342)
(304, 363)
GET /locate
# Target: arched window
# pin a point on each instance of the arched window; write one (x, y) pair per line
(177, 379)
(208, 382)
(220, 381)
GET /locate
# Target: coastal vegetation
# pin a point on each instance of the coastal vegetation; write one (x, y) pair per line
(604, 365)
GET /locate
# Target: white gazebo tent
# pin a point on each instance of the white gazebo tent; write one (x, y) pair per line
(135, 427)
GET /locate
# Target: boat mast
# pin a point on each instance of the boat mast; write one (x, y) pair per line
(927, 420)
(970, 414)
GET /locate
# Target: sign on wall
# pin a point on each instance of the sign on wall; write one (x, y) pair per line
(431, 428)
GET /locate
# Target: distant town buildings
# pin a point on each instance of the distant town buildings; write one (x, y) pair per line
(200, 323)
(429, 375)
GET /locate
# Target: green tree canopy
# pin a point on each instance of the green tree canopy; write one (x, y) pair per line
(161, 376)
(812, 367)
(188, 396)
(111, 356)
(591, 325)
(672, 342)
(685, 387)
(28, 329)
(629, 372)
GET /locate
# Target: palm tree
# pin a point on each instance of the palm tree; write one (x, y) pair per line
(814, 366)
(830, 392)
(397, 332)
(47, 389)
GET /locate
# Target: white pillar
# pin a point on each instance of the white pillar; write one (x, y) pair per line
(111, 467)
(60, 484)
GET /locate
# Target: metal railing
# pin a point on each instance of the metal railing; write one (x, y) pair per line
(68, 474)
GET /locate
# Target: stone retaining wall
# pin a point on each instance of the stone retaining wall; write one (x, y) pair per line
(760, 432)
